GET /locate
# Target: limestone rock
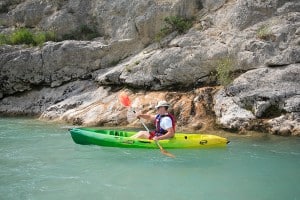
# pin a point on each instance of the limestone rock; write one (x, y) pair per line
(188, 60)
(288, 56)
(180, 65)
(229, 114)
(260, 94)
(116, 20)
(100, 106)
(57, 63)
(191, 59)
(19, 68)
(213, 4)
(286, 125)
(249, 12)
(29, 13)
(37, 101)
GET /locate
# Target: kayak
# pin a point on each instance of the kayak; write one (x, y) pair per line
(121, 138)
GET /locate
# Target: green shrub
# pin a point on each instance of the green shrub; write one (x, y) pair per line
(39, 38)
(50, 36)
(177, 23)
(174, 23)
(162, 33)
(88, 33)
(22, 36)
(25, 36)
(224, 68)
(4, 39)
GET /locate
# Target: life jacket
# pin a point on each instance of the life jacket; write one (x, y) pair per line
(160, 131)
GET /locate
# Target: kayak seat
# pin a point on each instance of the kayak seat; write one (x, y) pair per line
(117, 133)
(111, 132)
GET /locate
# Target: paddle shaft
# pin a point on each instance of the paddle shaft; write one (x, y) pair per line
(142, 123)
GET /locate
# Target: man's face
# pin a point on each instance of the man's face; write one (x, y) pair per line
(161, 110)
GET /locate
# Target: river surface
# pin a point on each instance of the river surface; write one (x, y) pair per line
(39, 160)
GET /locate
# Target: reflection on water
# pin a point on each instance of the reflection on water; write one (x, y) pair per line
(39, 160)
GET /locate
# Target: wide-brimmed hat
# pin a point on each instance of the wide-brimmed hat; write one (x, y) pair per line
(162, 104)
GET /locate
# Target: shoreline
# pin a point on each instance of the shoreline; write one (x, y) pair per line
(218, 132)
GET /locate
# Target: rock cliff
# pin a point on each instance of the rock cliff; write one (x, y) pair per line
(250, 47)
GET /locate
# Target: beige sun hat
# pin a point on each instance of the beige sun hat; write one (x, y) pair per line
(162, 104)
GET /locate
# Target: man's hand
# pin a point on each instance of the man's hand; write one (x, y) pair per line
(138, 115)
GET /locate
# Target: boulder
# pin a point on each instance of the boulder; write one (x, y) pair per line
(229, 114)
(265, 93)
(286, 125)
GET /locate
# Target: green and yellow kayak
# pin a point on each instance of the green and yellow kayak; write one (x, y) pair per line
(121, 138)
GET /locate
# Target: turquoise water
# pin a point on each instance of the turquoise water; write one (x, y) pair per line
(39, 160)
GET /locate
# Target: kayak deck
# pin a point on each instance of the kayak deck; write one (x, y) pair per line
(121, 138)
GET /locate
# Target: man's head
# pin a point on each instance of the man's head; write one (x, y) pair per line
(162, 106)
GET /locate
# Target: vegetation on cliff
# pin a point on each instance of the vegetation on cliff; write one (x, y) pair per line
(26, 36)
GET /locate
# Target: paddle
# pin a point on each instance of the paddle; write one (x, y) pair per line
(125, 101)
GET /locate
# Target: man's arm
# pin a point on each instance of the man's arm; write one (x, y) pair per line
(146, 116)
(169, 134)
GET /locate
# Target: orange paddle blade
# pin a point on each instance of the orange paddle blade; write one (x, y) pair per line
(124, 99)
(163, 151)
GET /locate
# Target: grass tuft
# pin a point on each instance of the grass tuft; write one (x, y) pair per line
(264, 33)
(224, 69)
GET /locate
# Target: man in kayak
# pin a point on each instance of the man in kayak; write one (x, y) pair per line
(164, 123)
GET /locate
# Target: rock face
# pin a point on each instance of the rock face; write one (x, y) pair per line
(271, 94)
(117, 20)
(56, 63)
(85, 103)
(248, 12)
(260, 36)
(38, 100)
(191, 59)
